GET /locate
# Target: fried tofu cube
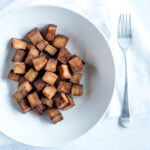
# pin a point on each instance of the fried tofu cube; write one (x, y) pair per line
(23, 89)
(76, 77)
(41, 45)
(30, 45)
(50, 33)
(64, 71)
(19, 56)
(60, 41)
(50, 77)
(77, 90)
(18, 44)
(33, 52)
(64, 87)
(39, 62)
(24, 105)
(31, 75)
(70, 104)
(12, 76)
(46, 101)
(45, 55)
(33, 99)
(21, 79)
(55, 115)
(40, 109)
(19, 67)
(61, 100)
(64, 55)
(76, 64)
(49, 91)
(50, 50)
(39, 85)
(51, 65)
(35, 36)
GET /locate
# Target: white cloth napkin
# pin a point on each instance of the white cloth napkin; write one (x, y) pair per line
(105, 16)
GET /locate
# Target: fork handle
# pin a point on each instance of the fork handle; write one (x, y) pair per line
(125, 118)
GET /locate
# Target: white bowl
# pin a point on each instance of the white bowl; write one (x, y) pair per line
(98, 79)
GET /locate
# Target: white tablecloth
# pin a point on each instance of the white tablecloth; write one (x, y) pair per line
(107, 134)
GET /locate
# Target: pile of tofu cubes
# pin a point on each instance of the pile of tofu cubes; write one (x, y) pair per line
(48, 75)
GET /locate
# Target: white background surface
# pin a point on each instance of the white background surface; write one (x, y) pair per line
(107, 134)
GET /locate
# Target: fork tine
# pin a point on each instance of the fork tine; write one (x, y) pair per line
(130, 33)
(126, 25)
(120, 27)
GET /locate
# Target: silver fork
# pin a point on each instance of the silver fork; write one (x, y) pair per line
(124, 41)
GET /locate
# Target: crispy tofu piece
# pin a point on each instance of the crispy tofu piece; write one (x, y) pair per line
(24, 105)
(46, 101)
(60, 41)
(18, 44)
(50, 77)
(50, 33)
(33, 99)
(64, 71)
(35, 36)
(49, 91)
(64, 87)
(19, 56)
(61, 100)
(21, 79)
(39, 85)
(51, 65)
(77, 90)
(33, 52)
(76, 77)
(45, 55)
(50, 50)
(40, 109)
(19, 67)
(55, 115)
(70, 104)
(12, 76)
(39, 62)
(64, 55)
(41, 45)
(23, 89)
(76, 65)
(31, 75)
(30, 45)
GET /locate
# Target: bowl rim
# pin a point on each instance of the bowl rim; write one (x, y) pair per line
(113, 64)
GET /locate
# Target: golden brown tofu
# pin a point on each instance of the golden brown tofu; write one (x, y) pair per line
(19, 56)
(51, 65)
(76, 77)
(55, 115)
(64, 55)
(76, 65)
(46, 101)
(31, 75)
(49, 91)
(21, 79)
(41, 45)
(33, 52)
(12, 76)
(39, 85)
(30, 45)
(64, 71)
(61, 100)
(23, 89)
(77, 90)
(50, 77)
(45, 55)
(50, 33)
(33, 99)
(18, 44)
(60, 41)
(70, 104)
(50, 50)
(24, 105)
(39, 62)
(40, 109)
(35, 36)
(64, 87)
(19, 67)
